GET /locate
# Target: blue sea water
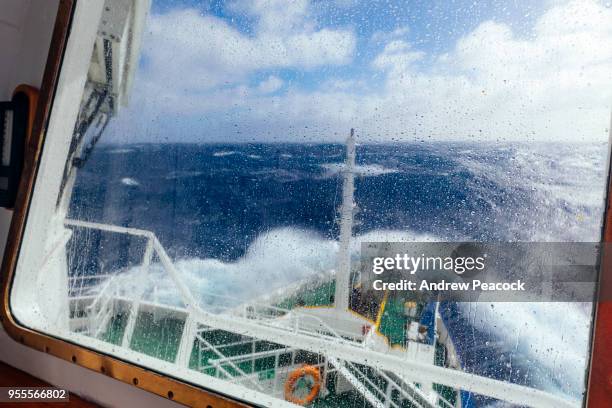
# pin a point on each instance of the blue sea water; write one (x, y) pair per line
(246, 219)
(214, 200)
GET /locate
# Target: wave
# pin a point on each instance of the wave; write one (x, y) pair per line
(128, 181)
(557, 191)
(224, 153)
(120, 151)
(363, 170)
(274, 260)
(555, 335)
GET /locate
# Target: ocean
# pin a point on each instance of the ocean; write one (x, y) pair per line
(248, 219)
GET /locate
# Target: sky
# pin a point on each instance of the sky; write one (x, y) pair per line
(397, 71)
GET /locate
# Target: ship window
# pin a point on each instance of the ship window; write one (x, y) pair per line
(221, 167)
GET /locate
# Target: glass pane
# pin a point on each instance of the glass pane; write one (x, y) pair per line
(231, 161)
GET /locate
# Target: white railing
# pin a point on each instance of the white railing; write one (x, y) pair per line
(229, 362)
(278, 370)
(101, 309)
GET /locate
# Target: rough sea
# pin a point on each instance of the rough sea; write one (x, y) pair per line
(248, 219)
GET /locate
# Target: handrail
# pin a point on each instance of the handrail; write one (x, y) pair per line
(222, 356)
(101, 293)
(258, 355)
(355, 369)
(359, 386)
(409, 385)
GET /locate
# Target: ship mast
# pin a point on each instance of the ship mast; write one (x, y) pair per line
(343, 267)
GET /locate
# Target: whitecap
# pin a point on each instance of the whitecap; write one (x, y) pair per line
(275, 260)
(127, 181)
(120, 151)
(224, 153)
(363, 170)
(556, 335)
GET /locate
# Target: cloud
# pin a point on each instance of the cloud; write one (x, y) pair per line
(191, 52)
(270, 85)
(277, 16)
(380, 37)
(397, 57)
(551, 83)
(556, 84)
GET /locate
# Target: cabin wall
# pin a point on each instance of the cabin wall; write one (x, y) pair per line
(25, 33)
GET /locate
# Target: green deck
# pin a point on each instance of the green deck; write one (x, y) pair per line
(157, 338)
(200, 357)
(393, 321)
(114, 331)
(321, 295)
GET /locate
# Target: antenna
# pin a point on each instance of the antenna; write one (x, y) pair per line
(343, 268)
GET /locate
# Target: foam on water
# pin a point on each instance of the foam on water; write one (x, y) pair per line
(128, 181)
(120, 151)
(363, 170)
(555, 335)
(563, 187)
(224, 153)
(274, 260)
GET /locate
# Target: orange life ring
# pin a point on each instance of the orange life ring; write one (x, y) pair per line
(292, 379)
